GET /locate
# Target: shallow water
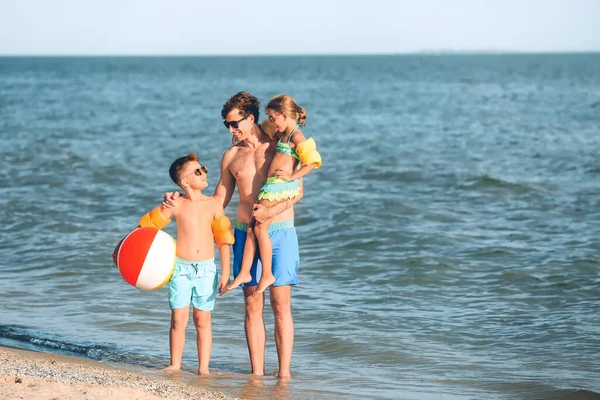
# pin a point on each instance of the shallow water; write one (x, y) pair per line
(449, 244)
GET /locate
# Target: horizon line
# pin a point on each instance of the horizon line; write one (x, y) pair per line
(411, 53)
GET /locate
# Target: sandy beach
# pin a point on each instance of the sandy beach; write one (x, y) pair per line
(38, 376)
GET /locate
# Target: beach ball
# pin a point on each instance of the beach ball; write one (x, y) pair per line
(146, 258)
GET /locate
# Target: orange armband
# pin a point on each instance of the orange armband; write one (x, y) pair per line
(221, 229)
(307, 152)
(154, 219)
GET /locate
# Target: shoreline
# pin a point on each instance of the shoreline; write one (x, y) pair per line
(35, 375)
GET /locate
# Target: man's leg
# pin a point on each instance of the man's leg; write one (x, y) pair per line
(281, 299)
(254, 325)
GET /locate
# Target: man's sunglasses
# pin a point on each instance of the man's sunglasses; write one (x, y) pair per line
(197, 172)
(234, 124)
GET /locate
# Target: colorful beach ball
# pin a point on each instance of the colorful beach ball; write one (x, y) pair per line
(146, 258)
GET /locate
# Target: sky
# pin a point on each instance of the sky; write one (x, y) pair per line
(236, 27)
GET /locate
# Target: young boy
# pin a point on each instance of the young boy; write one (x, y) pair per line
(199, 218)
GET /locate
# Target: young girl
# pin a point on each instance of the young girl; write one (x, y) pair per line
(282, 185)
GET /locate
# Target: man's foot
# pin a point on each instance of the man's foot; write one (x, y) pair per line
(263, 284)
(203, 371)
(241, 278)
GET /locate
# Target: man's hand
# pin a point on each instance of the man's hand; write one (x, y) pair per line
(261, 213)
(169, 199)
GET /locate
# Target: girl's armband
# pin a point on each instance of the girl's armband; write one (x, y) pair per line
(154, 219)
(221, 229)
(307, 152)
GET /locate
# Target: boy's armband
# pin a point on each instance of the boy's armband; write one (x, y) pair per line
(154, 219)
(307, 152)
(221, 229)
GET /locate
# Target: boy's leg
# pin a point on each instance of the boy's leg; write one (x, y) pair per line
(202, 322)
(254, 326)
(179, 320)
(281, 298)
(266, 257)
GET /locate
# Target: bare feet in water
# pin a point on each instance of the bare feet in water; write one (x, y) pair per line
(264, 283)
(170, 369)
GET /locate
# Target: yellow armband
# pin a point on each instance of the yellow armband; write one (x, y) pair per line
(268, 128)
(307, 152)
(154, 219)
(221, 229)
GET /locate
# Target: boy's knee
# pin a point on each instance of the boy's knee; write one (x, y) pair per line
(178, 323)
(202, 321)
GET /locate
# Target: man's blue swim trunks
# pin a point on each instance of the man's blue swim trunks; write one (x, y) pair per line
(286, 257)
(195, 282)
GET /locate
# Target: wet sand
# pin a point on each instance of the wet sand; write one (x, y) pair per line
(32, 375)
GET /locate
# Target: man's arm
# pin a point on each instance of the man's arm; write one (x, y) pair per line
(226, 186)
(262, 213)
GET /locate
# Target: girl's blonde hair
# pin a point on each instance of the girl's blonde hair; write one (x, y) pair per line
(285, 104)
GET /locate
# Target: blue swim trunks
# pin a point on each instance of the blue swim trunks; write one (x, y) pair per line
(286, 257)
(195, 282)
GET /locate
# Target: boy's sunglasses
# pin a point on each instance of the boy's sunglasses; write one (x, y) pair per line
(197, 172)
(234, 124)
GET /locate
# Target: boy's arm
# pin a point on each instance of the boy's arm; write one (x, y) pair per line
(221, 228)
(263, 213)
(225, 255)
(158, 217)
(226, 186)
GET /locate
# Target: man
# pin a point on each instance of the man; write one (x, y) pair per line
(246, 165)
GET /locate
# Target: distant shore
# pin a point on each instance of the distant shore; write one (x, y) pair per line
(32, 375)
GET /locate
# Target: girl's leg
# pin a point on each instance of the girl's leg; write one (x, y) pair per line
(247, 258)
(266, 256)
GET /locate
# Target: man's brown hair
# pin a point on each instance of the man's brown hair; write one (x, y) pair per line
(245, 103)
(178, 165)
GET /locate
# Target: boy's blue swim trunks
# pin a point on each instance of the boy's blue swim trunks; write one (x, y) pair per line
(286, 257)
(195, 282)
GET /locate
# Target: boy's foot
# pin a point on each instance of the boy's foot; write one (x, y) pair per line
(237, 282)
(170, 368)
(263, 284)
(203, 371)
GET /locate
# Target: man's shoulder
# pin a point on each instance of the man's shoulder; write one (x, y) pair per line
(231, 152)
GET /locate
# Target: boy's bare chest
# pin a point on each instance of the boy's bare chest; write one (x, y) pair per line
(194, 211)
